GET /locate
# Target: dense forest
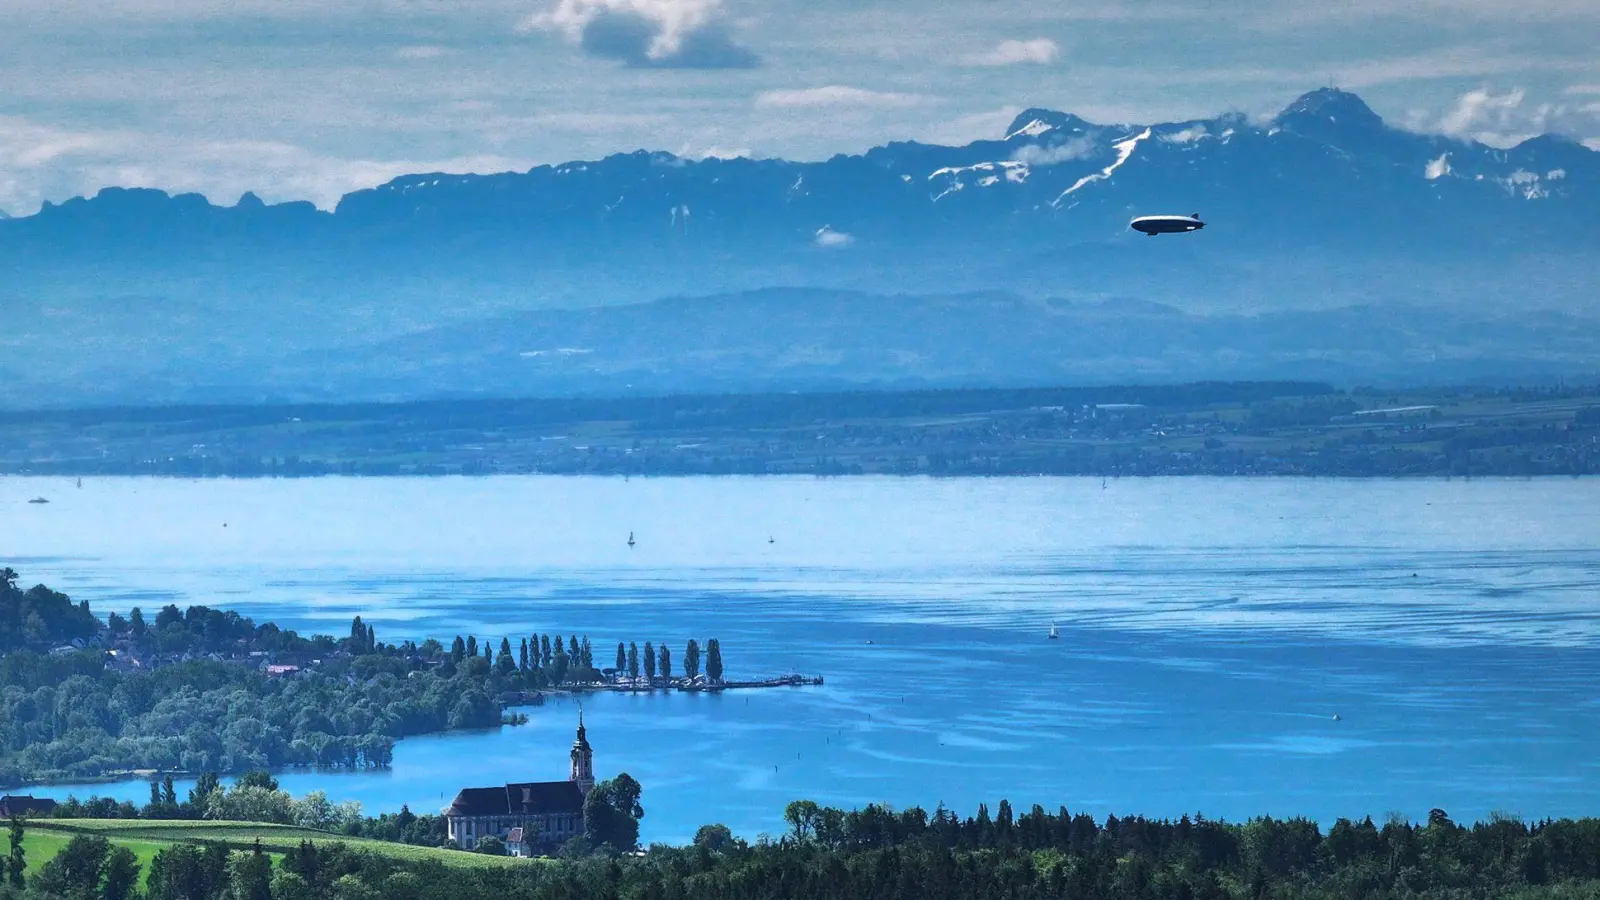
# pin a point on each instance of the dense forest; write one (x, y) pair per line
(195, 690)
(880, 854)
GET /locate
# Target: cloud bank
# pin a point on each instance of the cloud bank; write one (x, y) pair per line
(1506, 119)
(836, 95)
(656, 34)
(1040, 155)
(1040, 51)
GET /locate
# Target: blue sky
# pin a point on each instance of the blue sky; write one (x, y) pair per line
(307, 99)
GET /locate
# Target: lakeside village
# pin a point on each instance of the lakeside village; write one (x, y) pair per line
(202, 691)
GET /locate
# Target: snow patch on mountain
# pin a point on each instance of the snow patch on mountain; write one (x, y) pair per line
(989, 174)
(1524, 184)
(1124, 153)
(1032, 129)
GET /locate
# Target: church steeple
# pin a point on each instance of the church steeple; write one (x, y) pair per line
(582, 759)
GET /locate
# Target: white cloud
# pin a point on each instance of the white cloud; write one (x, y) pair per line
(1185, 135)
(1039, 155)
(1437, 168)
(836, 95)
(1476, 108)
(688, 34)
(1041, 51)
(827, 237)
(1593, 144)
(1582, 89)
(1505, 119)
(692, 151)
(420, 52)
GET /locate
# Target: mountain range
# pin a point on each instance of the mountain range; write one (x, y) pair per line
(1336, 246)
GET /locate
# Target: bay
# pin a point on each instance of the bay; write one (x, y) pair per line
(1210, 630)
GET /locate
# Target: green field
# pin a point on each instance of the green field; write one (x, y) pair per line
(46, 837)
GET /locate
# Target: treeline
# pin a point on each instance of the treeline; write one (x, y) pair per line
(697, 410)
(201, 700)
(39, 618)
(544, 660)
(611, 813)
(69, 718)
(882, 854)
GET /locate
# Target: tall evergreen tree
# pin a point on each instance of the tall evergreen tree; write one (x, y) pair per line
(572, 647)
(633, 660)
(358, 636)
(472, 645)
(664, 665)
(649, 661)
(18, 861)
(522, 657)
(136, 626)
(622, 657)
(691, 659)
(544, 649)
(458, 650)
(714, 659)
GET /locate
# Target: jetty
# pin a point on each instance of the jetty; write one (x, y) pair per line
(626, 685)
(782, 681)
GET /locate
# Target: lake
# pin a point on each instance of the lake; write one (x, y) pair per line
(1210, 630)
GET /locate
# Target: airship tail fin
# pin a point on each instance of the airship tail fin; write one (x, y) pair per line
(1195, 216)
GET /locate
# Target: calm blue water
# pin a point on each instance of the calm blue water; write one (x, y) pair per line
(1210, 629)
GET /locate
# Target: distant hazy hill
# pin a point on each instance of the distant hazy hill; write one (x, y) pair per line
(810, 338)
(137, 293)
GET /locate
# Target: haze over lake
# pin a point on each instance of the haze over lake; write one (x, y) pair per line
(1210, 630)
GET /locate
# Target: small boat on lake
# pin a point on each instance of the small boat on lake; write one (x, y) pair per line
(1054, 635)
(630, 539)
(38, 500)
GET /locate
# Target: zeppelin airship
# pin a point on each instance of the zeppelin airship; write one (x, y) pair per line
(1154, 225)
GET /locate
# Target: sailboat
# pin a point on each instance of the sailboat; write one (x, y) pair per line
(1053, 634)
(630, 539)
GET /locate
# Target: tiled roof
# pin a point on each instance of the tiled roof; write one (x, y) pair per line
(536, 797)
(526, 799)
(480, 802)
(24, 804)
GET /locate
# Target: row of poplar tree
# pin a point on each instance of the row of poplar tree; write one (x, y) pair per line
(557, 659)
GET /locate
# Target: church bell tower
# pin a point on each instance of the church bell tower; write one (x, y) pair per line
(582, 759)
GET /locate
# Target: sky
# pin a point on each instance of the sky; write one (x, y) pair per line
(309, 99)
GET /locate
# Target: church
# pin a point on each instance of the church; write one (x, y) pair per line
(530, 817)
